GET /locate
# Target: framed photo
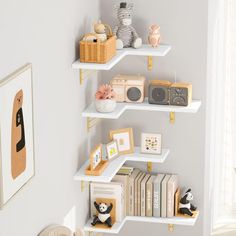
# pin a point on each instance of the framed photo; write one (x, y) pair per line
(151, 143)
(112, 150)
(125, 140)
(16, 133)
(96, 157)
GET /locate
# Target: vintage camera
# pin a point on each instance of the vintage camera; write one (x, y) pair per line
(128, 88)
(167, 93)
(159, 92)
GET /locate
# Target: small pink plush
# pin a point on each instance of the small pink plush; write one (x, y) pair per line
(154, 36)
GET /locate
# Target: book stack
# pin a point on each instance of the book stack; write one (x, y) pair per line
(139, 194)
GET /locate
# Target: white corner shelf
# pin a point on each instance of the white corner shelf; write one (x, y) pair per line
(145, 50)
(115, 229)
(117, 163)
(145, 106)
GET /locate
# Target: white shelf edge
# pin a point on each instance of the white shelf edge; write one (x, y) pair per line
(145, 106)
(146, 50)
(117, 163)
(118, 225)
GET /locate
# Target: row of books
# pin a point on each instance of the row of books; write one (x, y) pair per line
(137, 193)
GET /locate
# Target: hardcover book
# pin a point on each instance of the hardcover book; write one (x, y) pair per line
(124, 179)
(149, 196)
(136, 193)
(108, 191)
(132, 178)
(164, 196)
(139, 193)
(157, 195)
(172, 186)
(143, 194)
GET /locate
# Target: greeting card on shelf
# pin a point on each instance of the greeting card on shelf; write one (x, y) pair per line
(96, 163)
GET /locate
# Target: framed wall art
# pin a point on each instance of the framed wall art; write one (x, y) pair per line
(112, 150)
(125, 140)
(151, 143)
(16, 132)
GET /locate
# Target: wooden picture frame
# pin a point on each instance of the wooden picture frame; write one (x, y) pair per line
(96, 163)
(125, 140)
(17, 164)
(151, 143)
(112, 150)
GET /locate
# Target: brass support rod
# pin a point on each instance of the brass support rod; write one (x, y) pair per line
(149, 167)
(150, 62)
(170, 227)
(172, 117)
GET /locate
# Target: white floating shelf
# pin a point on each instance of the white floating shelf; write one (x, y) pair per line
(145, 50)
(117, 163)
(145, 106)
(117, 226)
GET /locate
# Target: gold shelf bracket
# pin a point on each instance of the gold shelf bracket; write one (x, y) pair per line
(172, 117)
(170, 227)
(149, 167)
(91, 122)
(82, 185)
(150, 62)
(84, 74)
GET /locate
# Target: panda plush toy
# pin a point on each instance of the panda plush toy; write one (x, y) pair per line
(185, 207)
(103, 216)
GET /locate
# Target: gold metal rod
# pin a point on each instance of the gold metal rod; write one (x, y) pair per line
(172, 117)
(149, 167)
(81, 76)
(150, 62)
(170, 227)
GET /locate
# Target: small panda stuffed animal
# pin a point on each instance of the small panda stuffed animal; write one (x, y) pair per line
(103, 216)
(185, 207)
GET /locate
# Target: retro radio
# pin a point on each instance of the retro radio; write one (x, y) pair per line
(159, 92)
(167, 93)
(128, 88)
(180, 94)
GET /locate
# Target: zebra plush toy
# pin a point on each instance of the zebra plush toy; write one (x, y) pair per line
(125, 33)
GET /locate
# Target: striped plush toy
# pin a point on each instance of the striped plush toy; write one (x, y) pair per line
(125, 33)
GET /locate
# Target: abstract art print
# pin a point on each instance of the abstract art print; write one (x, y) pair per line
(16, 132)
(151, 143)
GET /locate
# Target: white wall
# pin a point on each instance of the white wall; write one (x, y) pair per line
(45, 34)
(183, 25)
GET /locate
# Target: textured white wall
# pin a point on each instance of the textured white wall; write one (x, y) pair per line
(183, 25)
(45, 34)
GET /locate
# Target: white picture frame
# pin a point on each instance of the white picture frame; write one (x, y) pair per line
(112, 150)
(16, 132)
(151, 143)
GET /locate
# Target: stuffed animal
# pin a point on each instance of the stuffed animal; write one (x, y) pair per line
(154, 35)
(125, 32)
(100, 31)
(185, 207)
(103, 216)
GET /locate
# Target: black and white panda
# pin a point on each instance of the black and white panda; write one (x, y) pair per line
(185, 207)
(103, 216)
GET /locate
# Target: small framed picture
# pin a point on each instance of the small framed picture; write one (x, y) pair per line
(112, 150)
(96, 157)
(125, 140)
(151, 143)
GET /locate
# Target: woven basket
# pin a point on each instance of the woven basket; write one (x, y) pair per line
(98, 52)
